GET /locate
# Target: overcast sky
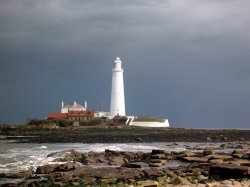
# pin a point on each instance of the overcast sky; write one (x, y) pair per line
(185, 60)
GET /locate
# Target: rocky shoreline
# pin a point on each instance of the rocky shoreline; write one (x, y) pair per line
(122, 134)
(202, 168)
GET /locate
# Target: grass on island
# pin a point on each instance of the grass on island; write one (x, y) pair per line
(148, 119)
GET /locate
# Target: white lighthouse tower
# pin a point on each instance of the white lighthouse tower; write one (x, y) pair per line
(117, 105)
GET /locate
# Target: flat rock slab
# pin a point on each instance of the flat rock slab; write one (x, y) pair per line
(158, 156)
(136, 165)
(153, 172)
(195, 159)
(108, 173)
(229, 171)
(155, 165)
(216, 161)
(158, 161)
(239, 162)
(223, 157)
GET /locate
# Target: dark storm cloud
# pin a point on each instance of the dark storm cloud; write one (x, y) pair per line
(186, 60)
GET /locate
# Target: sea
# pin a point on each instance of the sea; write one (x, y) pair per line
(16, 157)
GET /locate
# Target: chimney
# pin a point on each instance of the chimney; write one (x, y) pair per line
(85, 104)
(62, 104)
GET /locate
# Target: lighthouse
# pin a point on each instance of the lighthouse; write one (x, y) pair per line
(117, 105)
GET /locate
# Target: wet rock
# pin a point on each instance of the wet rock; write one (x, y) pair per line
(46, 169)
(158, 161)
(22, 174)
(92, 158)
(153, 172)
(72, 155)
(60, 176)
(229, 171)
(239, 151)
(158, 151)
(244, 146)
(171, 174)
(111, 157)
(239, 162)
(237, 155)
(226, 145)
(68, 166)
(188, 154)
(245, 164)
(195, 159)
(216, 161)
(135, 165)
(208, 151)
(223, 157)
(68, 155)
(158, 156)
(117, 161)
(123, 174)
(155, 165)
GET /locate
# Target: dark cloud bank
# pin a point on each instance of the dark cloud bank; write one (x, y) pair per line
(185, 60)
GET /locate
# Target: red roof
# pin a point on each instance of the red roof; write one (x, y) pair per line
(57, 115)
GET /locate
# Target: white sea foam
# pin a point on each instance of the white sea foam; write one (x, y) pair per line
(41, 147)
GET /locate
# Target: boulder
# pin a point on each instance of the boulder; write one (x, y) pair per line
(72, 155)
(229, 171)
(195, 159)
(46, 169)
(208, 152)
(68, 155)
(60, 176)
(124, 174)
(92, 158)
(68, 166)
(117, 161)
(153, 172)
